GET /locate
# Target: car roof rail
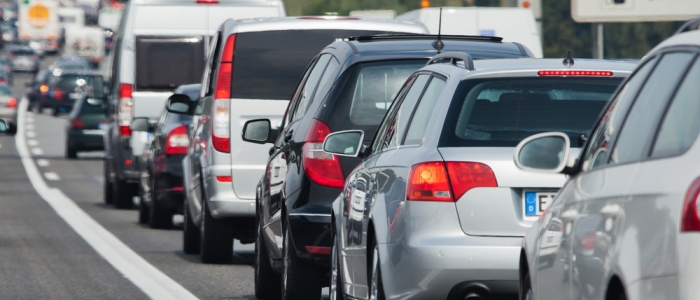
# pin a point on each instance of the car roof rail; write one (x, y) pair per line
(691, 25)
(454, 57)
(385, 37)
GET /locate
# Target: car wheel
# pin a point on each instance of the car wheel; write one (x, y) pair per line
(335, 289)
(123, 195)
(190, 233)
(12, 129)
(376, 289)
(526, 292)
(300, 280)
(216, 238)
(144, 212)
(267, 282)
(108, 191)
(160, 218)
(71, 152)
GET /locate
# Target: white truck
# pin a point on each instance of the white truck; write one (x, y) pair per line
(109, 18)
(512, 24)
(71, 17)
(87, 42)
(38, 20)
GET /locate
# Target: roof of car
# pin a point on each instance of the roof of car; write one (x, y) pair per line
(323, 23)
(477, 46)
(689, 38)
(77, 72)
(529, 67)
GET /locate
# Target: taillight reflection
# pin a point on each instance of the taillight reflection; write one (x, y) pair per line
(321, 167)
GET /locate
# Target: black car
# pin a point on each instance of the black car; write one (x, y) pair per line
(71, 63)
(85, 129)
(161, 188)
(23, 58)
(349, 85)
(65, 87)
(37, 90)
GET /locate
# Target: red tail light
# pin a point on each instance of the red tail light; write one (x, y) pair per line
(2, 80)
(125, 108)
(321, 167)
(465, 176)
(690, 220)
(12, 103)
(438, 181)
(207, 2)
(221, 131)
(58, 94)
(587, 242)
(223, 78)
(177, 141)
(224, 178)
(579, 73)
(77, 123)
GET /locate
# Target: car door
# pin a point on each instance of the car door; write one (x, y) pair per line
(568, 272)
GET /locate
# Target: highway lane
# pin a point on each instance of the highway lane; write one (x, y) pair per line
(40, 255)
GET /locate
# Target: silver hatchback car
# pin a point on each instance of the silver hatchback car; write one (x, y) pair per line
(626, 224)
(437, 209)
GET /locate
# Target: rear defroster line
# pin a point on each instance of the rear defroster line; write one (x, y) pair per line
(154, 283)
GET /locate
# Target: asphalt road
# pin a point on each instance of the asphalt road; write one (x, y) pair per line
(42, 256)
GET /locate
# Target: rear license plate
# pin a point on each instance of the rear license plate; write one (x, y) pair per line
(535, 203)
(101, 126)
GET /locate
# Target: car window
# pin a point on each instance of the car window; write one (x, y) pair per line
(310, 87)
(681, 124)
(421, 117)
(641, 121)
(394, 127)
(210, 68)
(596, 152)
(382, 130)
(327, 76)
(91, 85)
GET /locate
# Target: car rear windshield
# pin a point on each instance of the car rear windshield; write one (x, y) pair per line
(5, 91)
(22, 52)
(268, 64)
(165, 63)
(93, 106)
(502, 112)
(90, 84)
(365, 91)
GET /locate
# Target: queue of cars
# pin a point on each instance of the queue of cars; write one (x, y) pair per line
(389, 170)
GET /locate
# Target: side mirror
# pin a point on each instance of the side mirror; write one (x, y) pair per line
(344, 143)
(180, 104)
(3, 127)
(258, 131)
(547, 152)
(140, 124)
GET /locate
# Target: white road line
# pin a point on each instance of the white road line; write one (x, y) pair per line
(31, 134)
(143, 275)
(52, 176)
(29, 126)
(29, 120)
(32, 143)
(42, 162)
(37, 151)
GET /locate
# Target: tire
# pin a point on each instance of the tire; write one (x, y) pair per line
(376, 288)
(12, 129)
(267, 282)
(526, 291)
(108, 189)
(300, 280)
(335, 288)
(144, 212)
(71, 152)
(123, 195)
(160, 218)
(190, 234)
(216, 241)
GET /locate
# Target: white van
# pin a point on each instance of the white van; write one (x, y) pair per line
(161, 45)
(71, 17)
(512, 24)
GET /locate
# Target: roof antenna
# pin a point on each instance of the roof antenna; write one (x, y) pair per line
(438, 45)
(568, 61)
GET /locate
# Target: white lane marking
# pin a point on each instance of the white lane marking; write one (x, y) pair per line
(32, 143)
(29, 126)
(52, 176)
(37, 151)
(42, 162)
(143, 275)
(31, 134)
(29, 120)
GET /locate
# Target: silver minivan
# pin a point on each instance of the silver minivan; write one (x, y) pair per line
(161, 44)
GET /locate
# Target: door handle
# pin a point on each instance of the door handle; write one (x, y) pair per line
(288, 136)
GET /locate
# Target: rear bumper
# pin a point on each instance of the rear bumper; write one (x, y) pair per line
(8, 115)
(310, 226)
(169, 181)
(223, 201)
(86, 139)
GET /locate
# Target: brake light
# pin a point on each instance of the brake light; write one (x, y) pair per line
(221, 133)
(321, 167)
(177, 141)
(587, 242)
(465, 176)
(43, 88)
(77, 123)
(58, 94)
(12, 103)
(690, 220)
(207, 2)
(224, 178)
(575, 73)
(429, 182)
(318, 250)
(223, 78)
(125, 108)
(2, 80)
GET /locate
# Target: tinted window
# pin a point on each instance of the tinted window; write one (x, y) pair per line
(165, 63)
(421, 117)
(22, 51)
(93, 106)
(647, 109)
(395, 129)
(310, 87)
(502, 112)
(681, 124)
(268, 59)
(92, 85)
(383, 130)
(5, 91)
(327, 76)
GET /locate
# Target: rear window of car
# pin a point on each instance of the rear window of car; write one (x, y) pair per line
(5, 91)
(22, 52)
(502, 112)
(91, 84)
(93, 106)
(268, 64)
(163, 63)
